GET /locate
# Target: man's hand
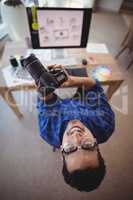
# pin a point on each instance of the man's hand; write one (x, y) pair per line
(69, 82)
(72, 81)
(76, 81)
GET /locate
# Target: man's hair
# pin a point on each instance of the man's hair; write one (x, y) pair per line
(85, 179)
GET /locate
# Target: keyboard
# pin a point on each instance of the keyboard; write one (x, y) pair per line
(70, 61)
(46, 58)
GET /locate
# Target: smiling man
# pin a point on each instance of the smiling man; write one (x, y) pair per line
(77, 126)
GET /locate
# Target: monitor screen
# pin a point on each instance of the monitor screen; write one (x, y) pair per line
(59, 27)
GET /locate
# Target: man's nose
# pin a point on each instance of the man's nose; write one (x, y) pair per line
(77, 138)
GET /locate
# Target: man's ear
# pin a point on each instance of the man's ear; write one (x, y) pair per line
(61, 157)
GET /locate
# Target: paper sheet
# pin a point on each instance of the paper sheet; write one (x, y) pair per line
(97, 48)
(11, 80)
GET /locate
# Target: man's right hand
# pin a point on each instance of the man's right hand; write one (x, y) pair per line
(76, 81)
(69, 82)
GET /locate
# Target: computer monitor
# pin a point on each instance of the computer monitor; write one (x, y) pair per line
(59, 27)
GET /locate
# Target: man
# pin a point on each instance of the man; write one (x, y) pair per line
(77, 126)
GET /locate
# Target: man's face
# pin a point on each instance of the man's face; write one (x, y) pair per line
(76, 133)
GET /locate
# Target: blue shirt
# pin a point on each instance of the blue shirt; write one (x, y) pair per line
(93, 111)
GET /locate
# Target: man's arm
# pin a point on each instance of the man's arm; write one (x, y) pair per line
(73, 81)
(76, 81)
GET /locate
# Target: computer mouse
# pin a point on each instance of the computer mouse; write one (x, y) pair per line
(84, 61)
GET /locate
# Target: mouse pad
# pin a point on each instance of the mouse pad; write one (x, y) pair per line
(79, 71)
(101, 72)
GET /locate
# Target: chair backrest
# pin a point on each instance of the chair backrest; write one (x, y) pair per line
(129, 41)
(131, 25)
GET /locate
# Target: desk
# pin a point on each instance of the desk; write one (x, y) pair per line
(114, 81)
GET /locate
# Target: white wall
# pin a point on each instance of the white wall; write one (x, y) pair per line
(112, 5)
(3, 30)
(68, 3)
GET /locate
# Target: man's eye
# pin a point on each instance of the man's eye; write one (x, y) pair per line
(69, 148)
(76, 130)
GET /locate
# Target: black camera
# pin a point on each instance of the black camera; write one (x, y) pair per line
(46, 80)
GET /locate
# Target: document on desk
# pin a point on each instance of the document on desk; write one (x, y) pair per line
(97, 48)
(12, 80)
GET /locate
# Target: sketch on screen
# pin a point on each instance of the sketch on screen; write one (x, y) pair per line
(62, 28)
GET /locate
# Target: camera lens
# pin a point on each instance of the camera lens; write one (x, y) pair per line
(34, 66)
